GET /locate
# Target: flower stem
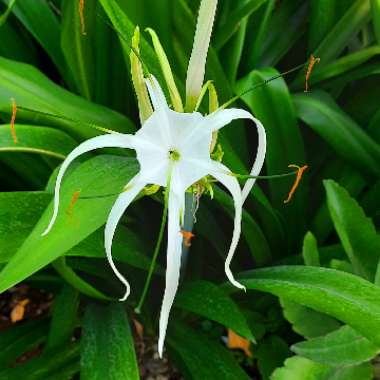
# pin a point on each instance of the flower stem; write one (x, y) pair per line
(188, 225)
(247, 176)
(156, 249)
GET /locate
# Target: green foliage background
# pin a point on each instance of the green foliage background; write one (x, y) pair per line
(314, 310)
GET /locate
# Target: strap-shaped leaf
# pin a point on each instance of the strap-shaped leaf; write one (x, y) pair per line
(339, 348)
(320, 112)
(217, 306)
(31, 89)
(298, 368)
(39, 140)
(97, 176)
(107, 347)
(344, 296)
(356, 231)
(199, 357)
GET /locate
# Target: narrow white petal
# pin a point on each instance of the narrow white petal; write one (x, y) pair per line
(219, 119)
(160, 106)
(259, 160)
(114, 140)
(176, 205)
(156, 94)
(220, 172)
(117, 211)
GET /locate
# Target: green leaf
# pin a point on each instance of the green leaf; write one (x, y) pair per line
(229, 27)
(343, 31)
(39, 140)
(271, 353)
(43, 366)
(33, 90)
(337, 294)
(97, 176)
(107, 348)
(251, 231)
(343, 347)
(373, 127)
(77, 282)
(42, 23)
(20, 339)
(346, 64)
(351, 180)
(5, 15)
(310, 250)
(64, 317)
(67, 372)
(262, 32)
(233, 50)
(16, 46)
(375, 6)
(217, 306)
(199, 357)
(319, 111)
(322, 19)
(127, 248)
(285, 144)
(305, 321)
(76, 46)
(289, 16)
(356, 231)
(125, 30)
(19, 212)
(298, 368)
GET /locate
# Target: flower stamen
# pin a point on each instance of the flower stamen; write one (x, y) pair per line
(300, 171)
(312, 62)
(13, 119)
(73, 201)
(187, 236)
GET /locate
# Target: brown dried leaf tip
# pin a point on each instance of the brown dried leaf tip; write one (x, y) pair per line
(300, 171)
(312, 62)
(82, 18)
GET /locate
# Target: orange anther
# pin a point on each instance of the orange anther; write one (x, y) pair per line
(13, 119)
(81, 16)
(300, 171)
(187, 236)
(312, 62)
(236, 341)
(18, 312)
(74, 200)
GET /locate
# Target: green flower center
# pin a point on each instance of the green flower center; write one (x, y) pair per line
(174, 155)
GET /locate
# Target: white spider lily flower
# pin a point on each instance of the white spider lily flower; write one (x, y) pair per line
(175, 146)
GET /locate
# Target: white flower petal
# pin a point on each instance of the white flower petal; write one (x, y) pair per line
(259, 160)
(156, 94)
(221, 118)
(114, 140)
(190, 171)
(117, 211)
(160, 106)
(220, 172)
(173, 266)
